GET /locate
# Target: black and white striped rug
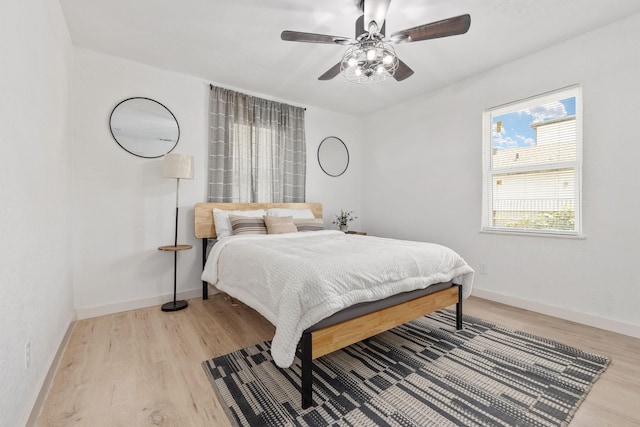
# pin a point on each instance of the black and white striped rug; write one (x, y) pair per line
(424, 373)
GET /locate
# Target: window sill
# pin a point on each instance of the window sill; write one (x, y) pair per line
(536, 234)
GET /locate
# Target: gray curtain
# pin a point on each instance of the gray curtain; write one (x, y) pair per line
(257, 149)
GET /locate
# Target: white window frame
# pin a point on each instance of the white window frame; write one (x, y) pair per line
(488, 172)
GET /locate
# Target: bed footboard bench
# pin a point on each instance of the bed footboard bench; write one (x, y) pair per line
(319, 342)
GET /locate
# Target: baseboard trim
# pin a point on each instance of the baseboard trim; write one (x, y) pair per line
(562, 313)
(48, 380)
(102, 310)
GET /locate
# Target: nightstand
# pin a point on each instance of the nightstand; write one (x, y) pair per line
(360, 233)
(174, 305)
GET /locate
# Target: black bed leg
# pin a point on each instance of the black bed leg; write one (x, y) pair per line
(459, 309)
(205, 285)
(307, 374)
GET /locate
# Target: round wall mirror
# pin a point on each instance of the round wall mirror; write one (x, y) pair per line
(144, 127)
(333, 156)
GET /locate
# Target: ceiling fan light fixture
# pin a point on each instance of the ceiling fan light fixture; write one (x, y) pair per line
(371, 54)
(369, 61)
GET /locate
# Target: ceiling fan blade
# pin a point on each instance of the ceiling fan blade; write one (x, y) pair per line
(297, 36)
(360, 26)
(331, 72)
(375, 11)
(402, 72)
(445, 28)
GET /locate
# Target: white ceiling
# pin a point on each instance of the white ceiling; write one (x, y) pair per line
(236, 43)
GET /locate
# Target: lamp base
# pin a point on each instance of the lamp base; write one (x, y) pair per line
(174, 306)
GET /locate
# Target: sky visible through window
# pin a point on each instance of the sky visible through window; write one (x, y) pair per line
(514, 129)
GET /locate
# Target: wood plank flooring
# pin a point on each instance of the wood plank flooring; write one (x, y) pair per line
(142, 367)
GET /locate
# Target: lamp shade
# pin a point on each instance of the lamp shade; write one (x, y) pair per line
(177, 166)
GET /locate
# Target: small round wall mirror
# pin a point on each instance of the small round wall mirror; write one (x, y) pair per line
(333, 156)
(144, 127)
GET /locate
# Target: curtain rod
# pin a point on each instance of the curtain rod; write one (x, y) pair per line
(211, 88)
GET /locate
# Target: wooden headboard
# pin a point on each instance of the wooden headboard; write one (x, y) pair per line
(203, 213)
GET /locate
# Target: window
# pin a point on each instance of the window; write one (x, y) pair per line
(532, 165)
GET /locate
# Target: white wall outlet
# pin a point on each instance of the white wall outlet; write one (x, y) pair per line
(483, 268)
(27, 355)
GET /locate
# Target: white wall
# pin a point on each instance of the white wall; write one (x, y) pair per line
(122, 207)
(343, 192)
(422, 180)
(35, 198)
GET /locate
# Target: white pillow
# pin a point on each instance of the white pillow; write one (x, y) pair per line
(223, 223)
(295, 213)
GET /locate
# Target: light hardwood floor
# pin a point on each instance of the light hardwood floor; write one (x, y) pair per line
(142, 367)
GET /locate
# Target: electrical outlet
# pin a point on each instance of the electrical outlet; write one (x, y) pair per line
(27, 355)
(483, 269)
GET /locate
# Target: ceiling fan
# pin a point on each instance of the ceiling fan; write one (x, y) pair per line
(370, 57)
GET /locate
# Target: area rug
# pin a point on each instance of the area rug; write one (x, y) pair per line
(423, 373)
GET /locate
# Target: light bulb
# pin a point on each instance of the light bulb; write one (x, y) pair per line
(388, 58)
(352, 62)
(380, 69)
(358, 71)
(371, 54)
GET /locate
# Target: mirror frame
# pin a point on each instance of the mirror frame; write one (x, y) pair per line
(346, 166)
(151, 100)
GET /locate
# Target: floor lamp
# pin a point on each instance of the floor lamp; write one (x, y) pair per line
(178, 166)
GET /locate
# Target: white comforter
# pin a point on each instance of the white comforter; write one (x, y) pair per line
(297, 279)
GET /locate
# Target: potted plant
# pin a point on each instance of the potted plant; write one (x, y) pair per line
(343, 219)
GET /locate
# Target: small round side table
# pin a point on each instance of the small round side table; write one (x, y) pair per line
(174, 305)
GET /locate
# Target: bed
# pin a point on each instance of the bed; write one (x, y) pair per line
(311, 329)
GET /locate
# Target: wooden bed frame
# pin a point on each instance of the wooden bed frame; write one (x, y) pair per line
(315, 344)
